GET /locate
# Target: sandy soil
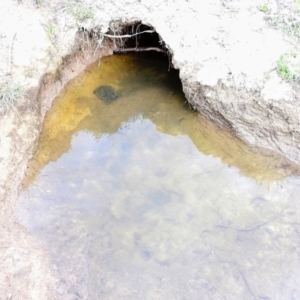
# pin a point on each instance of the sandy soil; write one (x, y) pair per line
(227, 54)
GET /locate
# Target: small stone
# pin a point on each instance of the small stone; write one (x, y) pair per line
(106, 93)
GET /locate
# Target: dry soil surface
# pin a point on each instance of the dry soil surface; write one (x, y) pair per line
(227, 54)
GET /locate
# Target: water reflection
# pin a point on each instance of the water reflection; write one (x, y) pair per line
(147, 89)
(129, 208)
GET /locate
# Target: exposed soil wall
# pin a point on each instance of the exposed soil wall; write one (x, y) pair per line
(277, 127)
(27, 271)
(227, 55)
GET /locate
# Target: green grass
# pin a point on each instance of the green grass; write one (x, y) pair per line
(80, 10)
(10, 95)
(288, 20)
(285, 69)
(50, 31)
(289, 24)
(264, 8)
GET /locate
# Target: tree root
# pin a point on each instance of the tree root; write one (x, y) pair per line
(141, 49)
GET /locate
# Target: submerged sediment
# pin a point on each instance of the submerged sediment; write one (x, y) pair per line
(227, 56)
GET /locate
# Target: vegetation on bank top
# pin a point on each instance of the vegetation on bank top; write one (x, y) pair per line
(10, 95)
(287, 20)
(288, 66)
(80, 10)
(11, 91)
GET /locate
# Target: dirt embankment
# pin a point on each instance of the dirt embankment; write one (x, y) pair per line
(228, 59)
(27, 271)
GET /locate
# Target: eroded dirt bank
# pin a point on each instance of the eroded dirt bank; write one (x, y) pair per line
(226, 53)
(27, 271)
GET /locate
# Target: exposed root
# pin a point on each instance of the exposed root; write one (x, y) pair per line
(141, 49)
(127, 36)
(10, 53)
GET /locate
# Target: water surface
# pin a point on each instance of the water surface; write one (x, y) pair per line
(142, 198)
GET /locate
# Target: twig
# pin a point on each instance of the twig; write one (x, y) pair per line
(249, 228)
(247, 284)
(126, 35)
(141, 49)
(10, 53)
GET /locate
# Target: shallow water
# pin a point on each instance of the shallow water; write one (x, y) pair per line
(144, 199)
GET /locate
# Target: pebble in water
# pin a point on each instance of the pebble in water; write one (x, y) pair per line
(106, 93)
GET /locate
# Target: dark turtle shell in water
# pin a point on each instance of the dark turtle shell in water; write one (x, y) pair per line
(106, 93)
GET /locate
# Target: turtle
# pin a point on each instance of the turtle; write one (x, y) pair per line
(106, 93)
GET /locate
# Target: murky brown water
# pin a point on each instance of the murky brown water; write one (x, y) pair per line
(144, 199)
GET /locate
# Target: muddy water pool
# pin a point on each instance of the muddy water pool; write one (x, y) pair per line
(142, 198)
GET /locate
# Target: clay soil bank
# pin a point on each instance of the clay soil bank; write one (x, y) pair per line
(227, 54)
